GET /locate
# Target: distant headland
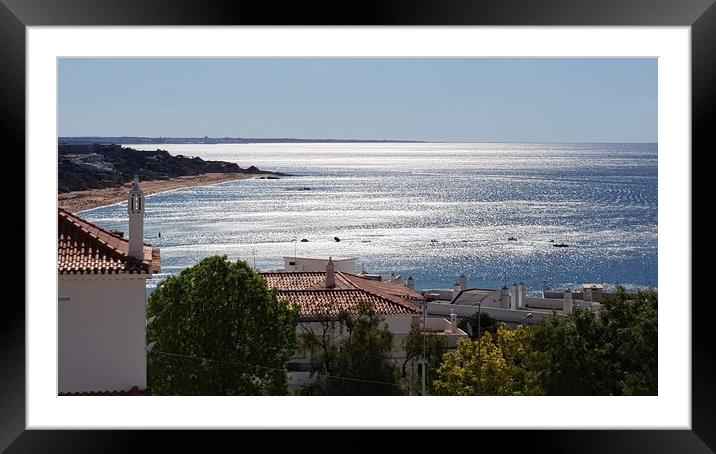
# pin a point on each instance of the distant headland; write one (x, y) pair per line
(96, 174)
(215, 140)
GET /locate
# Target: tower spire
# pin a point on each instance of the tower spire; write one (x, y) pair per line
(135, 209)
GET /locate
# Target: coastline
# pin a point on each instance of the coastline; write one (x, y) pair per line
(77, 201)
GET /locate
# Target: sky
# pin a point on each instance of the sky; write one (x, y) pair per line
(434, 99)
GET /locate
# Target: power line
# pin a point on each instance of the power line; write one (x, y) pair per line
(235, 363)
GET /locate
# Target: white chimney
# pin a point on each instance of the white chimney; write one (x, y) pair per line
(522, 297)
(410, 283)
(455, 290)
(504, 297)
(135, 208)
(330, 273)
(462, 281)
(568, 304)
(453, 321)
(514, 298)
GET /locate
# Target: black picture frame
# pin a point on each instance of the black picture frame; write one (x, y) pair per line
(700, 15)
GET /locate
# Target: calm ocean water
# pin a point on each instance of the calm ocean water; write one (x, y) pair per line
(387, 202)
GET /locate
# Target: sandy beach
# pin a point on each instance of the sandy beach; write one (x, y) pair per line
(76, 201)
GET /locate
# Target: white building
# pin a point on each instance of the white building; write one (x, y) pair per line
(511, 306)
(592, 292)
(102, 304)
(318, 264)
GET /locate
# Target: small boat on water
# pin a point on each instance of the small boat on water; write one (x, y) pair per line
(512, 238)
(560, 245)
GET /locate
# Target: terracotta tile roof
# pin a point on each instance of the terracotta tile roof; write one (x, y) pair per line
(392, 291)
(330, 302)
(84, 248)
(307, 289)
(303, 280)
(135, 391)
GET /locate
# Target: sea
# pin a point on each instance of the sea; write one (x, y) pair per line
(433, 211)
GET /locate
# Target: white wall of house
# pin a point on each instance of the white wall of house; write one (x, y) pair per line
(318, 264)
(399, 323)
(554, 303)
(399, 326)
(101, 333)
(545, 303)
(451, 332)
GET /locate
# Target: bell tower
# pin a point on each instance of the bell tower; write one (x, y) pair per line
(135, 208)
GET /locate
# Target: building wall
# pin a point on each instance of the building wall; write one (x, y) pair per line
(308, 264)
(399, 326)
(101, 333)
(592, 293)
(545, 303)
(499, 314)
(453, 334)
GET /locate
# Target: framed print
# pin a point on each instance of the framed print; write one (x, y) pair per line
(43, 40)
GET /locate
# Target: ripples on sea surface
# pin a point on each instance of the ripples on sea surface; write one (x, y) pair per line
(386, 202)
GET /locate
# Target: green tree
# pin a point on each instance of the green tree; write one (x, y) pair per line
(610, 352)
(478, 319)
(351, 355)
(419, 344)
(633, 321)
(216, 329)
(496, 365)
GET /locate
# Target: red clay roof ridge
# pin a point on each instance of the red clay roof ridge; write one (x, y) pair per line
(401, 303)
(82, 223)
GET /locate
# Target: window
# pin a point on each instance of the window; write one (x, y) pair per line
(136, 203)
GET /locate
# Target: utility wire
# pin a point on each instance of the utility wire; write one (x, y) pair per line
(235, 363)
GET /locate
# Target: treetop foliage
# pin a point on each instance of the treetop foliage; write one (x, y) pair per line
(217, 329)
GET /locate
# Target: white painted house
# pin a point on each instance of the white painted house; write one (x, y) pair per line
(102, 304)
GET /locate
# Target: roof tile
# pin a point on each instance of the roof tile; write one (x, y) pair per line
(84, 248)
(307, 289)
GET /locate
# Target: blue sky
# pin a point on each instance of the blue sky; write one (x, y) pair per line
(522, 100)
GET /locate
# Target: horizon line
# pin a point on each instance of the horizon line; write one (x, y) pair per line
(267, 139)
